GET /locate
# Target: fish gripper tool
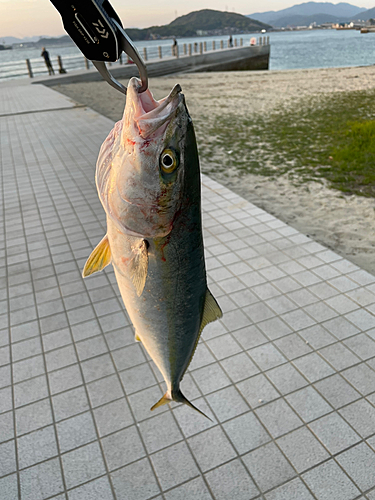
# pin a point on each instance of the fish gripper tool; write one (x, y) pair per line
(96, 29)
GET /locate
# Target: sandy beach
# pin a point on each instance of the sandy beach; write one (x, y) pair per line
(341, 222)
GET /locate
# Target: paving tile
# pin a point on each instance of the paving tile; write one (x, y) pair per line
(192, 422)
(159, 432)
(202, 357)
(128, 357)
(246, 433)
(361, 416)
(361, 319)
(231, 481)
(257, 390)
(361, 377)
(7, 458)
(142, 401)
(317, 337)
(292, 346)
(9, 486)
(42, 480)
(6, 426)
(286, 379)
(82, 465)
(340, 328)
(239, 367)
(359, 463)
(328, 482)
(308, 404)
(362, 345)
(227, 403)
(224, 346)
(302, 449)
(113, 417)
(30, 391)
(211, 448)
(28, 368)
(137, 378)
(76, 431)
(313, 367)
(36, 447)
(210, 378)
(334, 433)
(337, 391)
(99, 489)
(192, 490)
(339, 356)
(127, 485)
(292, 490)
(268, 467)
(174, 465)
(266, 356)
(250, 337)
(26, 348)
(122, 448)
(298, 319)
(278, 418)
(64, 379)
(70, 403)
(104, 390)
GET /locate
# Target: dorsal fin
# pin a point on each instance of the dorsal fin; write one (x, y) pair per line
(211, 311)
(99, 258)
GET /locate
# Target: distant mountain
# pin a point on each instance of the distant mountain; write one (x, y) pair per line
(340, 11)
(202, 20)
(365, 15)
(306, 20)
(12, 39)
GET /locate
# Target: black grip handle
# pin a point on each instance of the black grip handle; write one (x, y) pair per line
(89, 23)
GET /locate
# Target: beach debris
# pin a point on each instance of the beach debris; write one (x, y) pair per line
(148, 180)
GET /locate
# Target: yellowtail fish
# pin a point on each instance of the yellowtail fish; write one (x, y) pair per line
(148, 181)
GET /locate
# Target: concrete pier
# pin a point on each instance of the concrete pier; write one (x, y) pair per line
(238, 58)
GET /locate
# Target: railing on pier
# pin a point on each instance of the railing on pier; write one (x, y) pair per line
(37, 67)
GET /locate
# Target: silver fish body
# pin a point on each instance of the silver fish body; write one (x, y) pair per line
(148, 180)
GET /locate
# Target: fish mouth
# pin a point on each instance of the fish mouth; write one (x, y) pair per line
(150, 115)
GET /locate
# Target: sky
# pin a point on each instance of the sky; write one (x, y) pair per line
(23, 18)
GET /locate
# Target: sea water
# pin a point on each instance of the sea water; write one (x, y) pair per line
(289, 50)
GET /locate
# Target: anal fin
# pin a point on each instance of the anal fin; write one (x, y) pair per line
(99, 258)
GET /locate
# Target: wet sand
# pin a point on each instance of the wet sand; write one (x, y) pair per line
(342, 223)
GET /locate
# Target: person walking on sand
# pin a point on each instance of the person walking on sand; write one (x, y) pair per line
(47, 60)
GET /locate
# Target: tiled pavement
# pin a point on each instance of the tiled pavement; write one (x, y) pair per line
(288, 375)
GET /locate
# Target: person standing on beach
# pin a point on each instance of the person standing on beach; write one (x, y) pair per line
(174, 47)
(45, 54)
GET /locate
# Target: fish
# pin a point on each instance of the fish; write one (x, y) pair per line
(148, 181)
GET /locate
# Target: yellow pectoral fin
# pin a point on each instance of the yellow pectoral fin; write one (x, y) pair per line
(100, 258)
(211, 310)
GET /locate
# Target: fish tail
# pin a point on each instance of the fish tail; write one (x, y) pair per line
(179, 398)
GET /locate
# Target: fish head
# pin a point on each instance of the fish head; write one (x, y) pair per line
(140, 170)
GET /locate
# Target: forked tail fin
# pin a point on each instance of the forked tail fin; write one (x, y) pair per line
(179, 398)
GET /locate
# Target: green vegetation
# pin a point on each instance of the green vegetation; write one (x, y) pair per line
(205, 20)
(331, 136)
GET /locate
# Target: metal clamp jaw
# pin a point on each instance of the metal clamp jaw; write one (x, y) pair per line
(97, 31)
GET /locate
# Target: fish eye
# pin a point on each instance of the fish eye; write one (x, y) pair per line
(168, 161)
